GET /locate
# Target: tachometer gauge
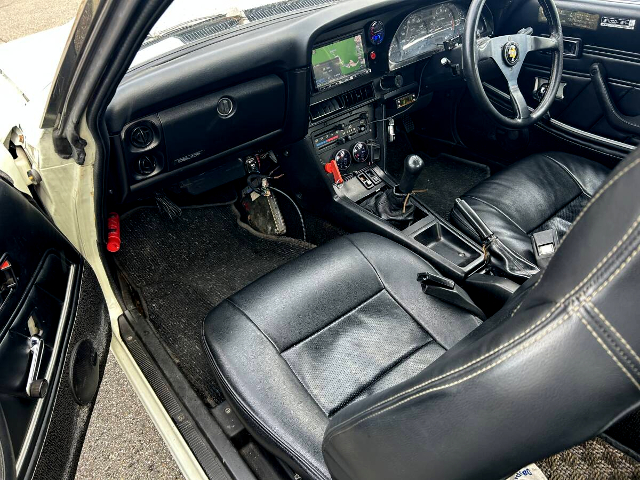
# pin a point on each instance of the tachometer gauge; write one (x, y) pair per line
(343, 159)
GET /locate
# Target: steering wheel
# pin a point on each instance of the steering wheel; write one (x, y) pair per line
(509, 52)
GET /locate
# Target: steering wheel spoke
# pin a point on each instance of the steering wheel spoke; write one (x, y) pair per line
(542, 43)
(486, 48)
(519, 102)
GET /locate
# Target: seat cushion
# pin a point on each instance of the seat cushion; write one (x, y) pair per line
(540, 192)
(339, 323)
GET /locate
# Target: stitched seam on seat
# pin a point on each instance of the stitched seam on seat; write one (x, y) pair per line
(602, 344)
(619, 175)
(496, 350)
(295, 374)
(556, 213)
(569, 172)
(333, 322)
(254, 324)
(497, 210)
(367, 260)
(613, 329)
(393, 296)
(259, 424)
(606, 334)
(384, 372)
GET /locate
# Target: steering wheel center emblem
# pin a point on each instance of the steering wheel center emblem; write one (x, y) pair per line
(511, 53)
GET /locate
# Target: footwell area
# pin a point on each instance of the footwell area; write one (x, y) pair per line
(592, 459)
(182, 268)
(444, 178)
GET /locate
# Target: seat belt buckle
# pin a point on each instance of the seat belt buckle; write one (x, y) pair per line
(545, 244)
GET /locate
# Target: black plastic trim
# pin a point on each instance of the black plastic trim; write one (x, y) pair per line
(195, 422)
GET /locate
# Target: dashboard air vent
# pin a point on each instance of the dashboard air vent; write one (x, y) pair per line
(208, 30)
(326, 107)
(345, 100)
(357, 95)
(266, 11)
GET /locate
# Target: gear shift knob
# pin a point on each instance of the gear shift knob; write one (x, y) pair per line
(413, 166)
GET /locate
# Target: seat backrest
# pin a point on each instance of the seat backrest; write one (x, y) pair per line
(557, 369)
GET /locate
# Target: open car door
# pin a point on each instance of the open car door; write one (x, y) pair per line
(54, 334)
(57, 312)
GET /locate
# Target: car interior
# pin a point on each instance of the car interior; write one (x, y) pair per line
(341, 228)
(343, 234)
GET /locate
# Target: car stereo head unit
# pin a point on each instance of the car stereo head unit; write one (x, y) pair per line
(339, 61)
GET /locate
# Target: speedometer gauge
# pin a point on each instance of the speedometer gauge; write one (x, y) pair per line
(424, 32)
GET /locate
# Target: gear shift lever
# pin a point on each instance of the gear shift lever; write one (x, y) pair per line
(413, 166)
(391, 204)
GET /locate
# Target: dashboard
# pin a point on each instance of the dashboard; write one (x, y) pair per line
(326, 75)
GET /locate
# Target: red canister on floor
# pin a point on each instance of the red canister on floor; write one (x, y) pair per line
(113, 232)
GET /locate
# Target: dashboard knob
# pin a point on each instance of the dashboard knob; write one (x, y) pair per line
(388, 82)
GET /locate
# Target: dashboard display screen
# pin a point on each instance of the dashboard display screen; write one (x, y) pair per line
(338, 62)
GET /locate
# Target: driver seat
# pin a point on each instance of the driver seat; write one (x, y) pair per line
(541, 192)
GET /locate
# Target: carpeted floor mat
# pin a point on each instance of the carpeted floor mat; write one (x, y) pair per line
(594, 459)
(183, 268)
(444, 178)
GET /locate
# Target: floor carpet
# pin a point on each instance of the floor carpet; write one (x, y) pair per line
(444, 177)
(182, 268)
(595, 459)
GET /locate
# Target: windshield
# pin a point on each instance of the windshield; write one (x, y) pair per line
(188, 21)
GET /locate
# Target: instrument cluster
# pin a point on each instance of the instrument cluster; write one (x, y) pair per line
(426, 31)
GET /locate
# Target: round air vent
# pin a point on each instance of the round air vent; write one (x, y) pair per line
(146, 165)
(141, 136)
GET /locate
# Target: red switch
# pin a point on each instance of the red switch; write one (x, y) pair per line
(332, 167)
(372, 55)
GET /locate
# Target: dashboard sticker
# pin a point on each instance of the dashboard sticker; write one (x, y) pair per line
(616, 22)
(575, 19)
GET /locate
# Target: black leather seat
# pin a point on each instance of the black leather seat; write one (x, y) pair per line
(338, 363)
(340, 323)
(543, 191)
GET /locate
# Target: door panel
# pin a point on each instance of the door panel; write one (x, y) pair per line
(40, 278)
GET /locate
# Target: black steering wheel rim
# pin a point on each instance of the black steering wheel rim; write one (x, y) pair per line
(471, 56)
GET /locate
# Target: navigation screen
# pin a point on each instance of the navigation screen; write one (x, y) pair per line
(338, 62)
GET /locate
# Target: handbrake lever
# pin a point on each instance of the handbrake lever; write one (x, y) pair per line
(505, 259)
(474, 220)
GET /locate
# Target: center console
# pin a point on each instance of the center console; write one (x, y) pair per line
(353, 99)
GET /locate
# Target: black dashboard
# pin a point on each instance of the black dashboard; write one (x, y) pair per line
(344, 66)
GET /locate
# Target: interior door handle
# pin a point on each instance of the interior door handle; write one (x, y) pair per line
(36, 387)
(616, 119)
